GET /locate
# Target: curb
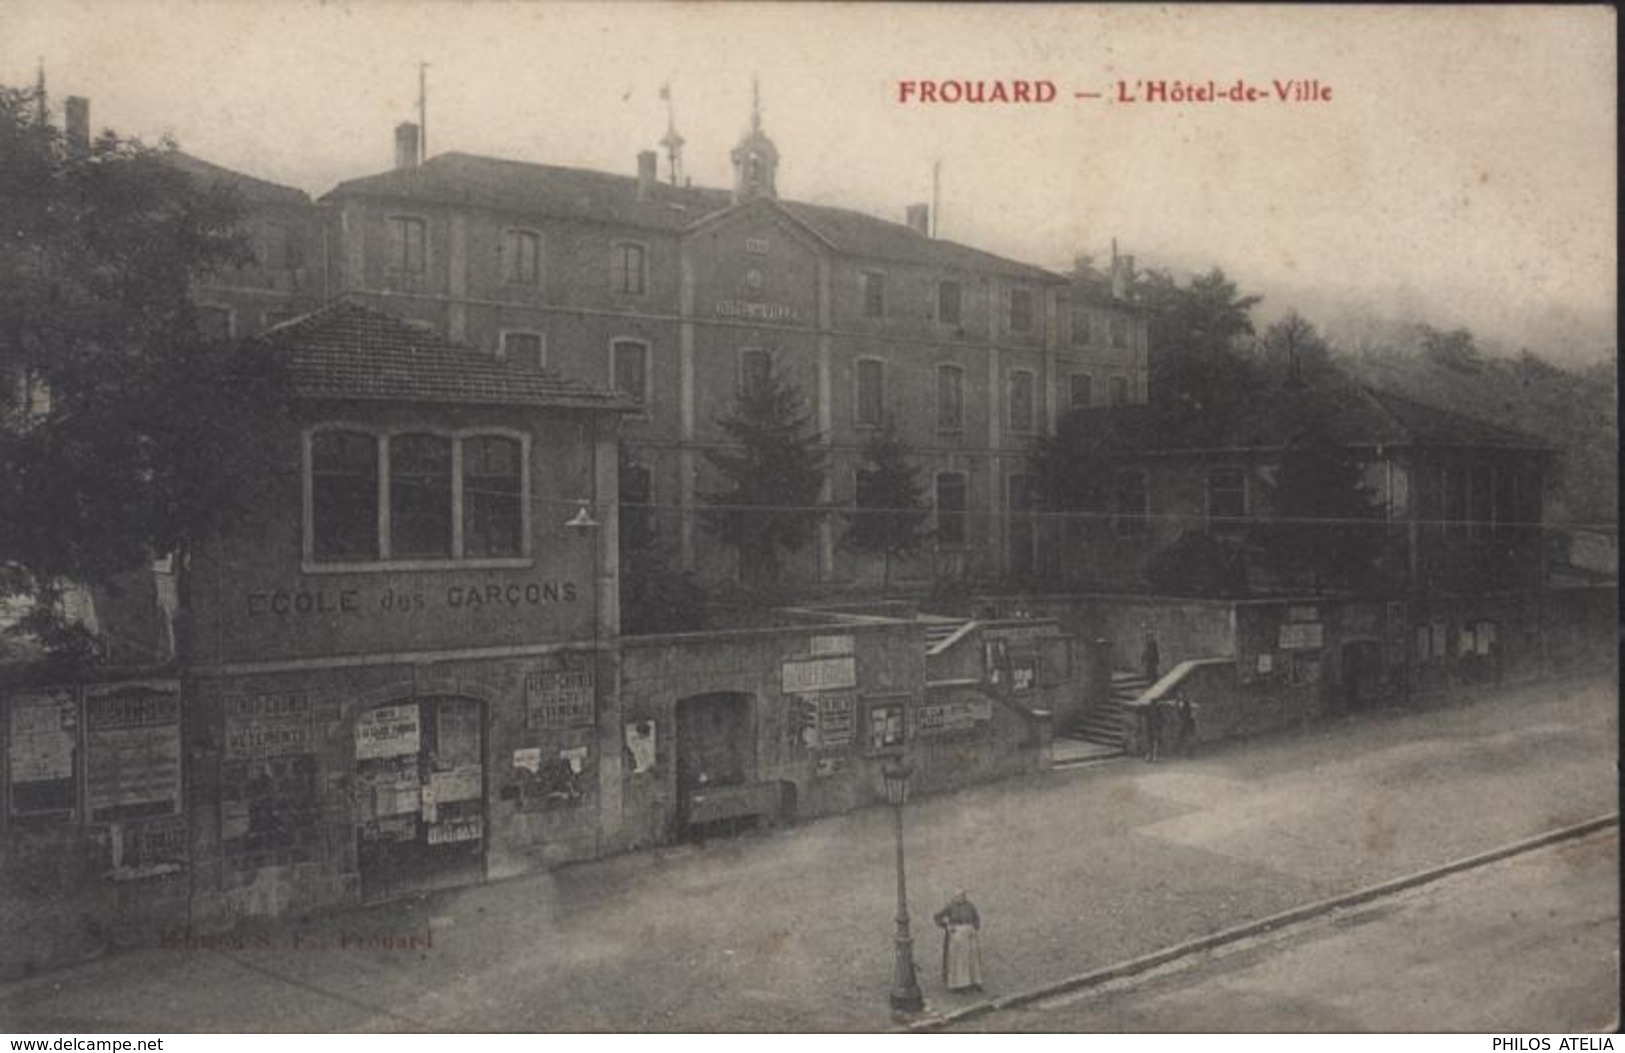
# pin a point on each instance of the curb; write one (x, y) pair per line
(1147, 962)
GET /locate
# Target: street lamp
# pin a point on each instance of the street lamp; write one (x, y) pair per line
(905, 986)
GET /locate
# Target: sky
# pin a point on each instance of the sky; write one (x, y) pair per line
(1464, 169)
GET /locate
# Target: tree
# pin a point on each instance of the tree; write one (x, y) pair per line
(132, 435)
(1327, 526)
(893, 509)
(1292, 350)
(655, 596)
(1196, 333)
(774, 467)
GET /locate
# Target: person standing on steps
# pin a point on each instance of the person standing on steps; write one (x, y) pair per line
(961, 943)
(1151, 657)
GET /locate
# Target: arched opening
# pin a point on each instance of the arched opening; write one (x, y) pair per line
(420, 795)
(716, 763)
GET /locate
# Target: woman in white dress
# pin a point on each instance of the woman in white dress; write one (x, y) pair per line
(961, 944)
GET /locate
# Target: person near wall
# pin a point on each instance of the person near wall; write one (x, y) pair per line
(1187, 727)
(1151, 657)
(1153, 730)
(961, 943)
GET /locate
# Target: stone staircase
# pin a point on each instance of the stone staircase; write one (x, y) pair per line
(1104, 724)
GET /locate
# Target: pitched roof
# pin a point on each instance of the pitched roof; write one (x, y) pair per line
(349, 351)
(259, 191)
(860, 234)
(1345, 412)
(579, 193)
(553, 190)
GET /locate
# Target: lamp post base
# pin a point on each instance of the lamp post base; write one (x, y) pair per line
(905, 986)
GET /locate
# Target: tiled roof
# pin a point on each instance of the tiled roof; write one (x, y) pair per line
(577, 193)
(1348, 413)
(348, 351)
(552, 190)
(860, 234)
(259, 191)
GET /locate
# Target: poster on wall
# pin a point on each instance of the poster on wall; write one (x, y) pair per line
(268, 725)
(43, 731)
(558, 699)
(132, 753)
(387, 731)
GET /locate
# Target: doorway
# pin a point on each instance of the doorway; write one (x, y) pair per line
(1362, 674)
(420, 795)
(715, 748)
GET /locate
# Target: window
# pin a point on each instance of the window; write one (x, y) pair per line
(424, 494)
(214, 322)
(1080, 390)
(871, 392)
(521, 257)
(344, 495)
(1021, 310)
(755, 370)
(1119, 391)
(631, 274)
(950, 398)
(1129, 504)
(493, 495)
(951, 508)
(406, 244)
(1226, 496)
(523, 349)
(419, 497)
(1119, 331)
(948, 303)
(1022, 417)
(629, 364)
(874, 294)
(1080, 326)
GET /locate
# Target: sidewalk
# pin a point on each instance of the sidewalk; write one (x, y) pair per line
(791, 931)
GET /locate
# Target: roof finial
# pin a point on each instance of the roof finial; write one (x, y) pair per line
(755, 104)
(672, 142)
(39, 92)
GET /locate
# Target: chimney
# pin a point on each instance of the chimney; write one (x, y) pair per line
(76, 123)
(919, 217)
(406, 145)
(647, 173)
(1119, 279)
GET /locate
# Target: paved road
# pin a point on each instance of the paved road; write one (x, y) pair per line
(791, 931)
(1526, 945)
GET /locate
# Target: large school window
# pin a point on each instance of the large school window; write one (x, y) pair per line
(448, 497)
(420, 497)
(1080, 388)
(874, 294)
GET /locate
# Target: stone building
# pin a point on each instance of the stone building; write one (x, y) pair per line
(678, 296)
